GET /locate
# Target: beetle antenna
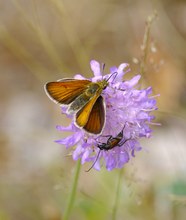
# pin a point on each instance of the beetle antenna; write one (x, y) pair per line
(94, 161)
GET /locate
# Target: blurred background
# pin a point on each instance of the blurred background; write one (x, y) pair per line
(45, 40)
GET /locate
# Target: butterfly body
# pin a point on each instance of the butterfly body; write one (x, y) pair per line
(92, 90)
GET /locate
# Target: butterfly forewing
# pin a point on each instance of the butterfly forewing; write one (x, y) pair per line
(96, 119)
(84, 113)
(66, 91)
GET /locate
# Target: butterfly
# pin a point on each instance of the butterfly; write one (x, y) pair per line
(83, 99)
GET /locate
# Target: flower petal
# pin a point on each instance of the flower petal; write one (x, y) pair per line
(127, 109)
(131, 83)
(70, 141)
(95, 67)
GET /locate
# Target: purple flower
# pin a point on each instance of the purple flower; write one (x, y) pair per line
(127, 108)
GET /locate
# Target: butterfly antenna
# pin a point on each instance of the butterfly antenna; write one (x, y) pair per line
(103, 67)
(116, 73)
(94, 161)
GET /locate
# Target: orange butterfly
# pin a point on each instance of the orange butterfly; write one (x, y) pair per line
(83, 99)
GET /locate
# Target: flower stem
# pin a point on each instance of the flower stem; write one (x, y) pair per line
(72, 195)
(115, 206)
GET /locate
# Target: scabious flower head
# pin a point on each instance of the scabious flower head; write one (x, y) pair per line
(127, 108)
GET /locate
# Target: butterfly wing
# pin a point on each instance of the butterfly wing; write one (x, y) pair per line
(66, 91)
(83, 114)
(92, 116)
(96, 118)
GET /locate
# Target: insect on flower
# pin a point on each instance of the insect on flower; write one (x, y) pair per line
(112, 142)
(83, 99)
(86, 101)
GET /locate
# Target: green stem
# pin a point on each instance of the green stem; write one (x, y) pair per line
(115, 206)
(72, 195)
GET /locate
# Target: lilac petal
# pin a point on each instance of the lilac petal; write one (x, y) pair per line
(64, 108)
(150, 104)
(71, 127)
(95, 67)
(149, 90)
(70, 140)
(133, 153)
(123, 158)
(113, 69)
(139, 96)
(121, 68)
(137, 147)
(110, 162)
(77, 152)
(151, 117)
(97, 78)
(85, 156)
(130, 83)
(142, 115)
